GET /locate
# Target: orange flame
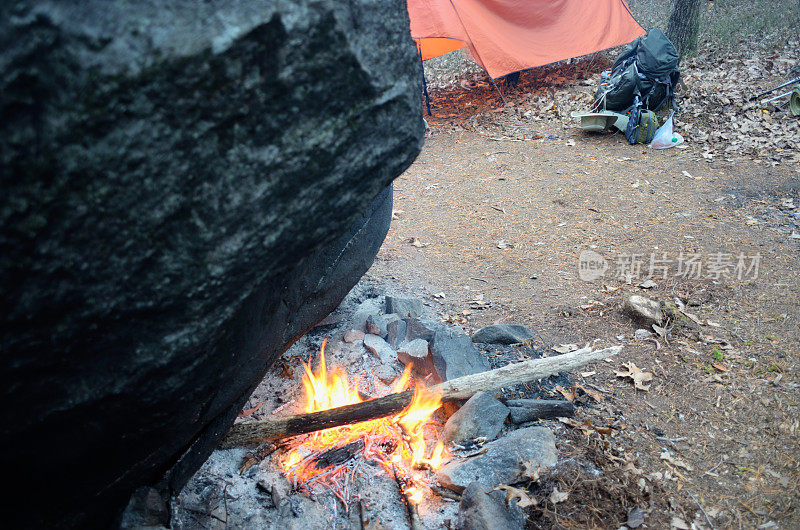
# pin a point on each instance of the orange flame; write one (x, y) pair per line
(397, 442)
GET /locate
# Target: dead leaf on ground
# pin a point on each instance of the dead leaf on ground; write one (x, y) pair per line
(586, 426)
(565, 348)
(677, 462)
(558, 496)
(633, 372)
(569, 396)
(610, 288)
(597, 396)
(678, 524)
(524, 501)
(531, 471)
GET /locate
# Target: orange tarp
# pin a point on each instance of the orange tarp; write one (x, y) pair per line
(505, 36)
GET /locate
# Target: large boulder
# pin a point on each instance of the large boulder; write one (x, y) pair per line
(187, 188)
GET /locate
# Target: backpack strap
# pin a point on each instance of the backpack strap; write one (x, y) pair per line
(635, 112)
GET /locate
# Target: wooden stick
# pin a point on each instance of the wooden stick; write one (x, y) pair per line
(524, 410)
(459, 388)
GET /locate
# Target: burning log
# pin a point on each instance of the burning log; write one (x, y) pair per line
(338, 455)
(455, 389)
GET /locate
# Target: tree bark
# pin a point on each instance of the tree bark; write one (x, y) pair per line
(459, 388)
(684, 26)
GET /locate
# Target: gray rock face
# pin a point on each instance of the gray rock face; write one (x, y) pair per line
(484, 509)
(396, 333)
(482, 416)
(454, 355)
(502, 334)
(187, 188)
(405, 307)
(501, 463)
(378, 324)
(643, 310)
(407, 329)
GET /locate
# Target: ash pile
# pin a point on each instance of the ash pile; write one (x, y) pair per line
(458, 464)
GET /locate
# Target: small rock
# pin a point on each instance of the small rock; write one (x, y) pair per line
(389, 368)
(405, 307)
(635, 518)
(417, 354)
(643, 309)
(408, 329)
(387, 373)
(396, 333)
(502, 462)
(482, 416)
(502, 334)
(417, 329)
(454, 354)
(648, 284)
(353, 335)
(524, 410)
(378, 324)
(482, 508)
(364, 310)
(642, 334)
(276, 485)
(380, 348)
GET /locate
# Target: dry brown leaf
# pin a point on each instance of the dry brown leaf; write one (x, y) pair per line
(512, 493)
(633, 372)
(558, 496)
(565, 348)
(677, 462)
(530, 471)
(568, 395)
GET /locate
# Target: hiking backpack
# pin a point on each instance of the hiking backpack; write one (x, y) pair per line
(648, 68)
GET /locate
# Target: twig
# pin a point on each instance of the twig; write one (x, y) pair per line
(702, 510)
(413, 514)
(254, 457)
(721, 460)
(670, 440)
(445, 493)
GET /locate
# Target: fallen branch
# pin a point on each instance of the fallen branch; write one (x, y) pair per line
(460, 388)
(524, 410)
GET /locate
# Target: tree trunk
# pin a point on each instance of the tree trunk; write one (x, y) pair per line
(684, 25)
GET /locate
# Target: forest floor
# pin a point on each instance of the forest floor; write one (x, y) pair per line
(505, 200)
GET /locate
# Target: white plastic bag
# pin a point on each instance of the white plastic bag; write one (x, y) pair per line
(665, 138)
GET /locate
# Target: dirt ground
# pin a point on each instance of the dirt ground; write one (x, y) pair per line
(489, 227)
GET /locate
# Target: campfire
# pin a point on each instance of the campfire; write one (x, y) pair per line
(404, 445)
(349, 437)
